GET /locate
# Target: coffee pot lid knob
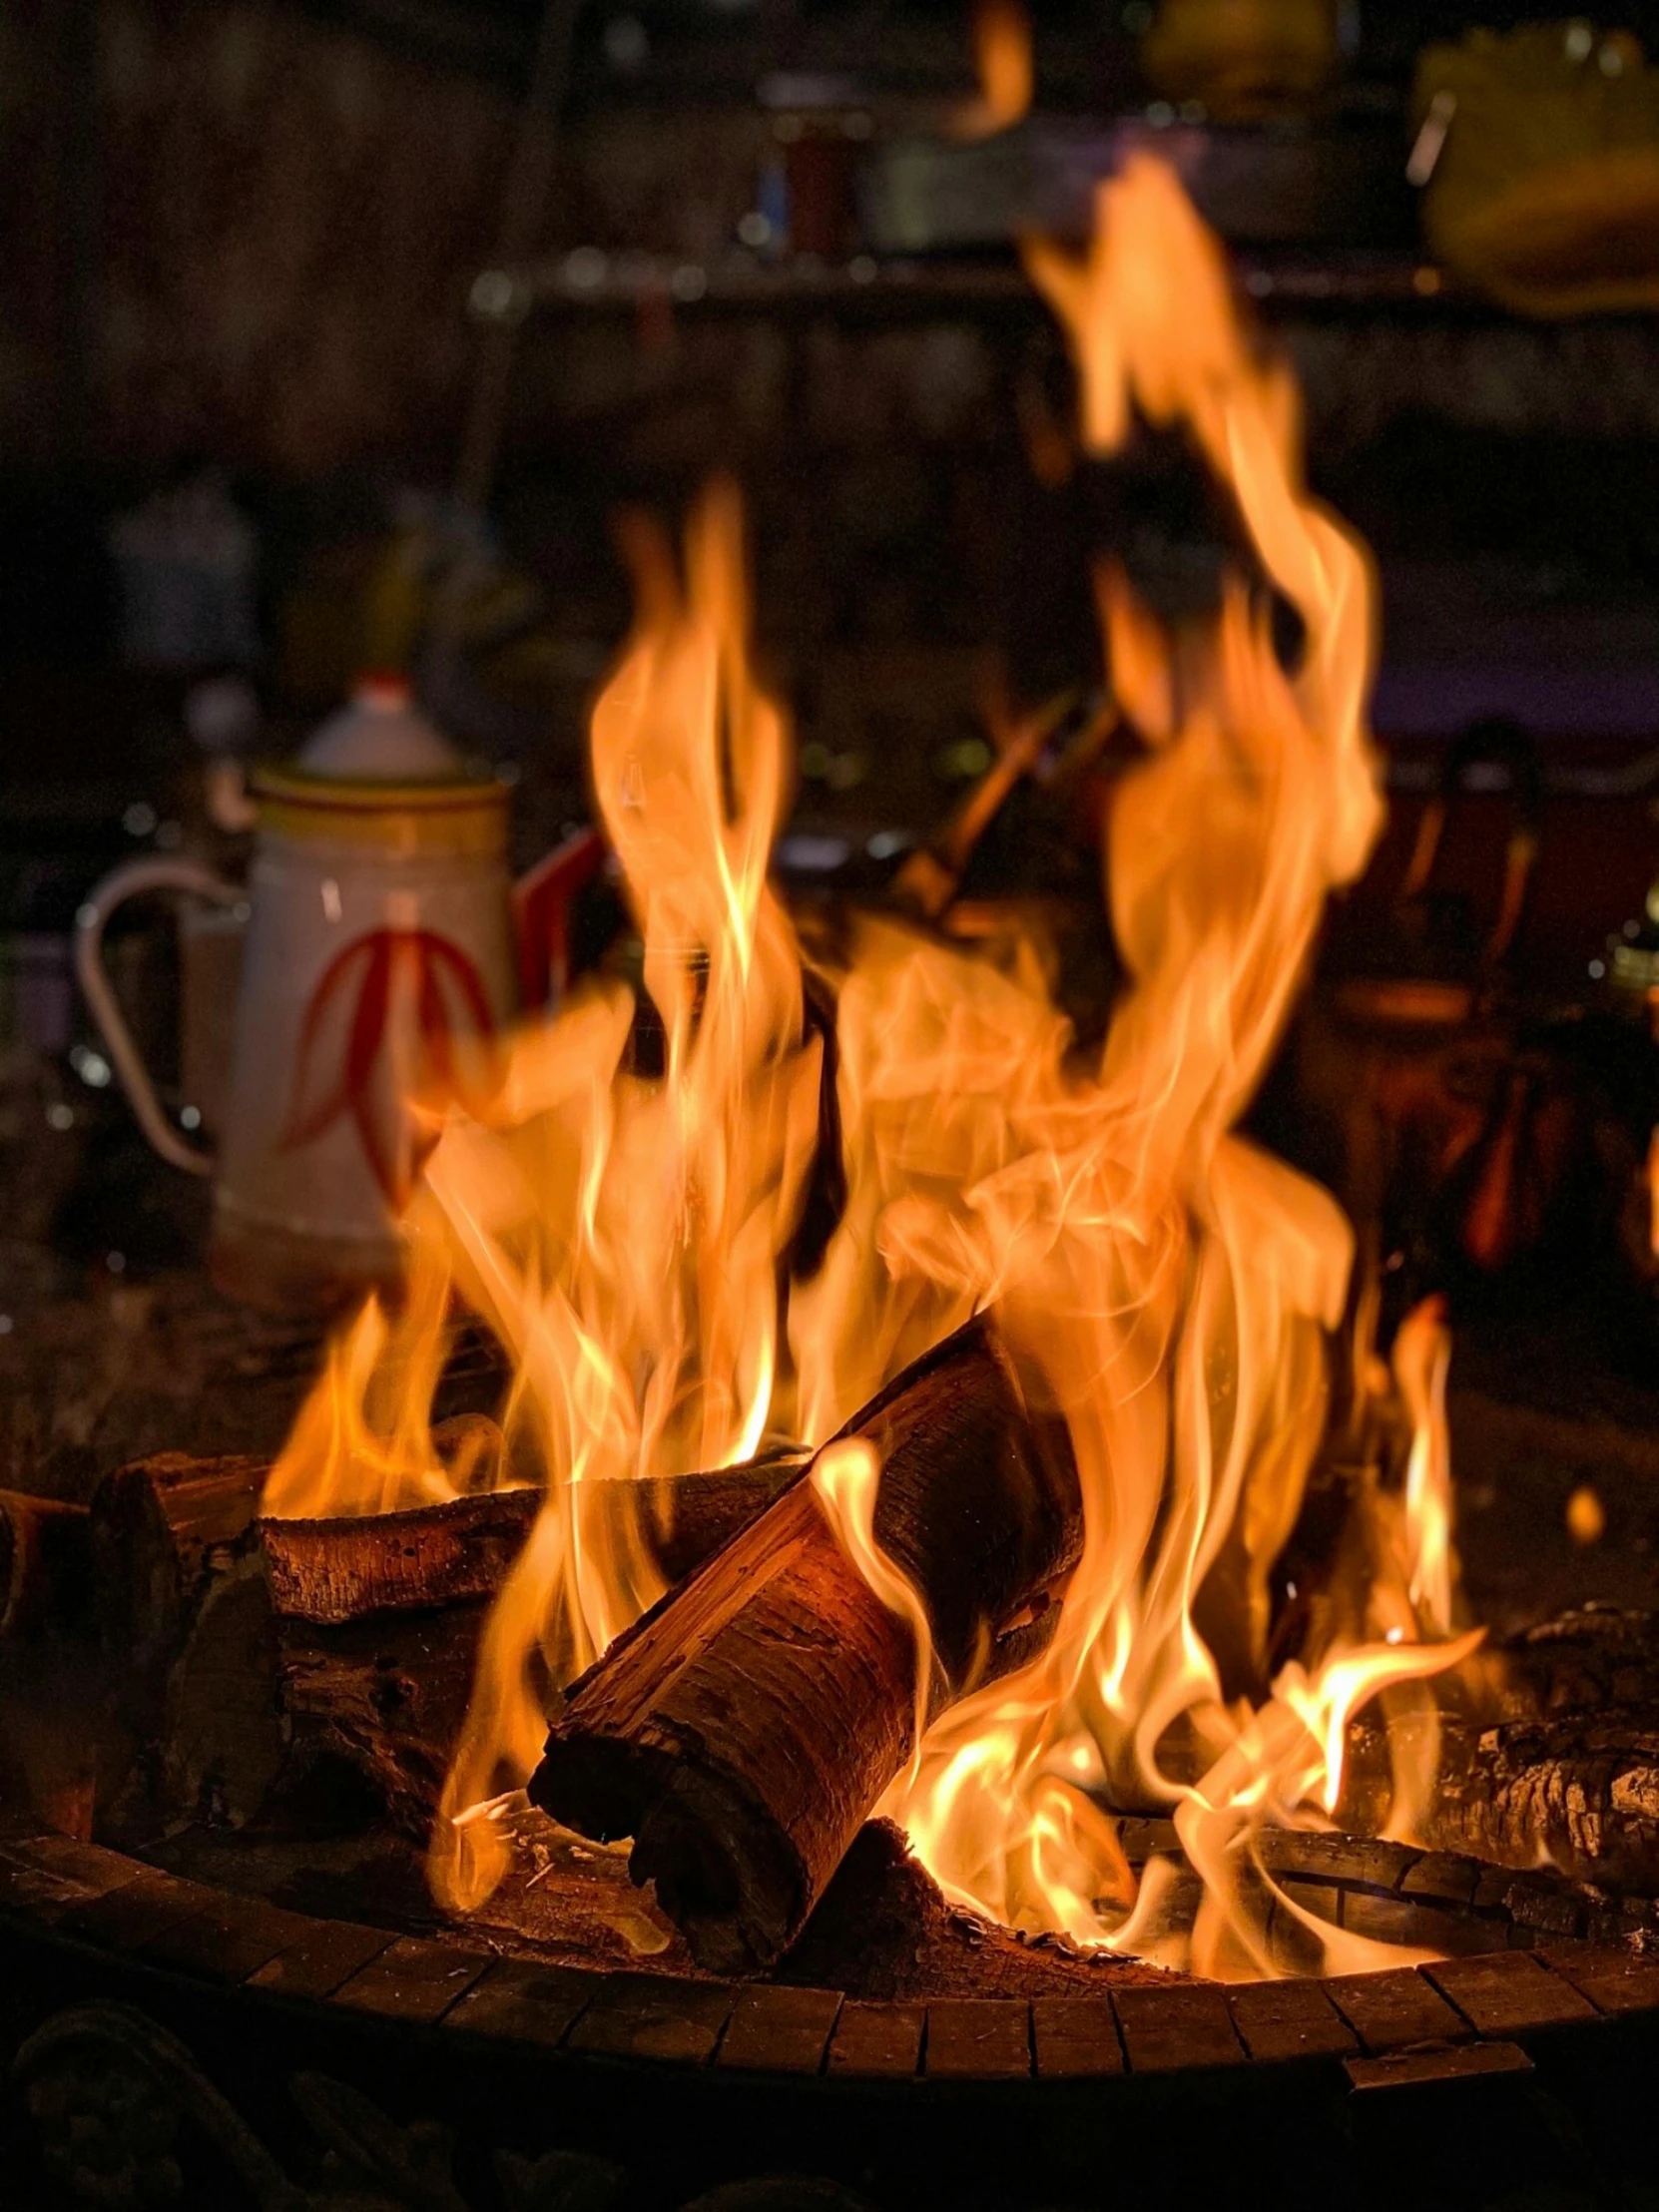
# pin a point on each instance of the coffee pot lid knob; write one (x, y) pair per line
(381, 737)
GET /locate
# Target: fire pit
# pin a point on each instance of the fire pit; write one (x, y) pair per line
(932, 1629)
(240, 2024)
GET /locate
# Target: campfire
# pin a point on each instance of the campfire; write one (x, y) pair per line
(910, 1415)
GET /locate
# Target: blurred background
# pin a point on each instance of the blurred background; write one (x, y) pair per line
(260, 256)
(337, 337)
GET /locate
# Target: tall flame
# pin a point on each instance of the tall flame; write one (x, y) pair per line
(1173, 1284)
(1423, 1359)
(628, 1230)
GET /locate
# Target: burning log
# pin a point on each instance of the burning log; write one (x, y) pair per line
(332, 1571)
(162, 1532)
(342, 1568)
(45, 1564)
(745, 1729)
(1579, 1791)
(1549, 1746)
(349, 1645)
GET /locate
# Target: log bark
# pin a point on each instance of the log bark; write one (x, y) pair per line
(745, 1728)
(330, 1662)
(338, 1570)
(45, 1566)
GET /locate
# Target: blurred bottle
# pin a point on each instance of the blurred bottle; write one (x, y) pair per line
(818, 127)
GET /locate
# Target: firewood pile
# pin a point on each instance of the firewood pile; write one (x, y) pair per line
(1111, 1550)
(273, 1673)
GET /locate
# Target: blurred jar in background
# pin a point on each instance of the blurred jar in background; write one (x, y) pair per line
(810, 200)
(1245, 61)
(1540, 151)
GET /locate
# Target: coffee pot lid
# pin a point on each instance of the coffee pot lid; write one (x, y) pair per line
(381, 737)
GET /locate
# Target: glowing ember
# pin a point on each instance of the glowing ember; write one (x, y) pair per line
(1586, 1515)
(629, 1233)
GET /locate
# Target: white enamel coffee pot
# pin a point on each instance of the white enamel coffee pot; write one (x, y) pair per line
(380, 969)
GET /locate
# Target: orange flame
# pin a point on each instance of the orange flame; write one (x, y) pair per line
(1423, 1357)
(844, 1478)
(627, 1231)
(363, 1442)
(1172, 1283)
(1002, 51)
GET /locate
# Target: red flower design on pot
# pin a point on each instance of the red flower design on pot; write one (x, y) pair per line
(399, 1027)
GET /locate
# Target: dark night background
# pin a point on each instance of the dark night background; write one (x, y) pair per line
(241, 237)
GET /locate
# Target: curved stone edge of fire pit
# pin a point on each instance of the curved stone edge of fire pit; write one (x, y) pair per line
(1461, 2016)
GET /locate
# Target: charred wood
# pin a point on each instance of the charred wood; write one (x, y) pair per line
(1548, 1749)
(1580, 1791)
(45, 1566)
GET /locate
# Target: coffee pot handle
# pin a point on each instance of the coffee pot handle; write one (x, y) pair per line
(90, 923)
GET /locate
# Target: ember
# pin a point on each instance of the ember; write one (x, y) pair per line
(1148, 1280)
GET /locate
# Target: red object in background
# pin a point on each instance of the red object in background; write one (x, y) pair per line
(1598, 852)
(543, 904)
(820, 161)
(1460, 1037)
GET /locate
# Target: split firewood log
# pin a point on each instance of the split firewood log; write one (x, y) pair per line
(745, 1729)
(331, 1661)
(341, 1570)
(354, 1719)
